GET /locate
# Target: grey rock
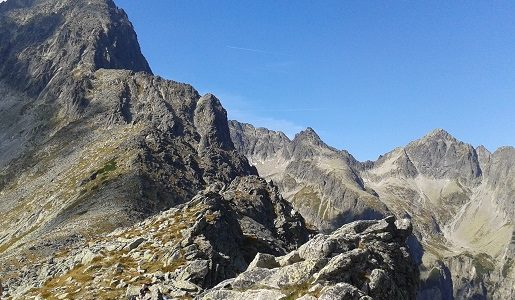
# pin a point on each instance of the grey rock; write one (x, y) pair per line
(347, 269)
(195, 271)
(307, 297)
(155, 293)
(135, 243)
(133, 291)
(87, 256)
(341, 291)
(263, 260)
(186, 286)
(258, 294)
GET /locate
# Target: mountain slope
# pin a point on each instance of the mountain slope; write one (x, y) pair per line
(209, 239)
(310, 174)
(459, 198)
(91, 141)
(87, 147)
(48, 48)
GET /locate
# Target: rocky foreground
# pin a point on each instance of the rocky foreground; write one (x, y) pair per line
(361, 260)
(242, 241)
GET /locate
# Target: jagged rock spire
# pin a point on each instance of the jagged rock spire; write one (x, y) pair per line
(211, 123)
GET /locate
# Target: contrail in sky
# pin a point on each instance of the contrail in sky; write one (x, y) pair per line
(249, 49)
(283, 110)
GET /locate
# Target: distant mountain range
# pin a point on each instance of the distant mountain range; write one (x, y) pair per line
(118, 184)
(461, 200)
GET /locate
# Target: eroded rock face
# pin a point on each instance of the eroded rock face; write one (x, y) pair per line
(361, 260)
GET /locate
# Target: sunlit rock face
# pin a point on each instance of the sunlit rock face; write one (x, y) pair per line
(90, 140)
(460, 199)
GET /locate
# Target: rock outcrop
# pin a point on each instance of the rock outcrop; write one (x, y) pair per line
(180, 252)
(361, 260)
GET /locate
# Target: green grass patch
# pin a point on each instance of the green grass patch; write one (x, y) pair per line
(483, 263)
(108, 167)
(508, 265)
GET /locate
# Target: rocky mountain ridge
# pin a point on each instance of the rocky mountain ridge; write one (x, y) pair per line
(193, 250)
(310, 174)
(462, 219)
(209, 239)
(133, 144)
(115, 183)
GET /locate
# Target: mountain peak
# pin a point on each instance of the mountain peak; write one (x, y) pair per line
(308, 143)
(62, 38)
(440, 155)
(439, 133)
(482, 149)
(437, 136)
(308, 134)
(211, 121)
(309, 129)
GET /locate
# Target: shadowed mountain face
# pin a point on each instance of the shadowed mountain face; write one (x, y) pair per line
(461, 200)
(90, 139)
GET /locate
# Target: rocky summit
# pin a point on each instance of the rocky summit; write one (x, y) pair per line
(100, 143)
(118, 184)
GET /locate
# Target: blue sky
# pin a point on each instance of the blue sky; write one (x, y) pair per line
(368, 76)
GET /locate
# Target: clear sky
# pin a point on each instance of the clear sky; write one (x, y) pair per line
(368, 76)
